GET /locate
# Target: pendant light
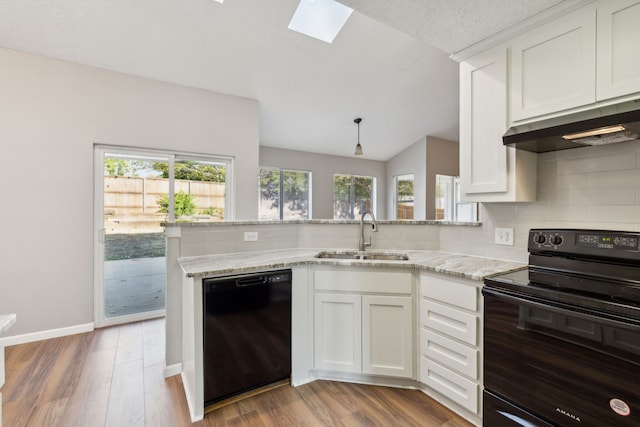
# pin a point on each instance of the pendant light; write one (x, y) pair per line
(358, 151)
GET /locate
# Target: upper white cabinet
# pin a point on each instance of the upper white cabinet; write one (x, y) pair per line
(585, 57)
(553, 68)
(489, 171)
(618, 68)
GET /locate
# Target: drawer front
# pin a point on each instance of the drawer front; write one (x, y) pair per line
(454, 386)
(449, 321)
(449, 353)
(351, 280)
(449, 292)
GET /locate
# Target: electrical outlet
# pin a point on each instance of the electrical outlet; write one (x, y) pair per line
(504, 236)
(250, 236)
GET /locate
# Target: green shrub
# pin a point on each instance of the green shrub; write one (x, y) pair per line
(183, 204)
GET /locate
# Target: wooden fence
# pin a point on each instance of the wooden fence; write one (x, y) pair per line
(124, 195)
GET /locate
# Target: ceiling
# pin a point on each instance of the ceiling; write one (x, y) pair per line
(390, 64)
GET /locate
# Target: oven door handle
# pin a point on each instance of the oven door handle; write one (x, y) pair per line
(553, 307)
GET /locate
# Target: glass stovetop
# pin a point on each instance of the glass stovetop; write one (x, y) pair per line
(519, 283)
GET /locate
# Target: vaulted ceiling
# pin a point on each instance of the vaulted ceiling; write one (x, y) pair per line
(390, 64)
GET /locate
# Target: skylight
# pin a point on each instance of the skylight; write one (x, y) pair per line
(320, 19)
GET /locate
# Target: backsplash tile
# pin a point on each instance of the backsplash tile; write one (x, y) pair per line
(591, 187)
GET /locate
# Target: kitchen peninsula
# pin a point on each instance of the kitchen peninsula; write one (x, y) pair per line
(430, 299)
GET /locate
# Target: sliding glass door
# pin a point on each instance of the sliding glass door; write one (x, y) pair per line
(137, 190)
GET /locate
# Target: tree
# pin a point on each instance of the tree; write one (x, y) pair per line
(269, 184)
(122, 167)
(351, 194)
(193, 171)
(295, 189)
(405, 188)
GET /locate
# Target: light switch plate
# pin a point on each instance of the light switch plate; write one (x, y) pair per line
(250, 236)
(504, 236)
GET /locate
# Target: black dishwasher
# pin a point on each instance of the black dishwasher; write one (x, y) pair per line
(247, 333)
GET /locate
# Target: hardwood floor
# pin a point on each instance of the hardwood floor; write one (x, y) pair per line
(114, 377)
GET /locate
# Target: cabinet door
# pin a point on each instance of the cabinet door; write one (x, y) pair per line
(553, 68)
(483, 121)
(618, 59)
(387, 336)
(338, 332)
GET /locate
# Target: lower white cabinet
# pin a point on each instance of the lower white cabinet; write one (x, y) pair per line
(363, 322)
(338, 332)
(450, 339)
(387, 329)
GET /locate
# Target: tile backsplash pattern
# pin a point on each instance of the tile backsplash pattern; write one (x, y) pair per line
(196, 241)
(590, 187)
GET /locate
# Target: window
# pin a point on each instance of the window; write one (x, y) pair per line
(352, 195)
(284, 194)
(404, 196)
(448, 206)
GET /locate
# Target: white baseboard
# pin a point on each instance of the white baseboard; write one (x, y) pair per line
(45, 335)
(171, 370)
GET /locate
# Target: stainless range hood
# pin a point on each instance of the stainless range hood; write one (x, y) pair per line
(600, 126)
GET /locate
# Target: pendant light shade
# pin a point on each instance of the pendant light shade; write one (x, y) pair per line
(358, 151)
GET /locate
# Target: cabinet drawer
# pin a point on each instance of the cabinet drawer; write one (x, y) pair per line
(449, 321)
(450, 292)
(454, 386)
(351, 280)
(449, 353)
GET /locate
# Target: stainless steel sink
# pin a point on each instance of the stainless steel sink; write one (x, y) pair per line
(363, 256)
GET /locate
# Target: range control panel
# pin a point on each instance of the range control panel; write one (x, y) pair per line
(600, 243)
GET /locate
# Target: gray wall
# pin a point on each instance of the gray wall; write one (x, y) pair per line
(322, 168)
(412, 160)
(425, 159)
(52, 113)
(442, 159)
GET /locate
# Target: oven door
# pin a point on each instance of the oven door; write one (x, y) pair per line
(568, 367)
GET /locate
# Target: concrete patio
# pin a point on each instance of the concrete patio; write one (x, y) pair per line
(134, 286)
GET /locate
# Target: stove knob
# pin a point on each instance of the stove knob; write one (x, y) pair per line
(556, 240)
(539, 238)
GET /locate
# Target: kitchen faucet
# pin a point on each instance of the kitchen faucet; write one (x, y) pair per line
(374, 226)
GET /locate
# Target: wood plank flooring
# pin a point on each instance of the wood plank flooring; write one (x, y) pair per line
(114, 377)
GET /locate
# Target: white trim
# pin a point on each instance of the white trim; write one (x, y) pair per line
(45, 335)
(520, 28)
(172, 370)
(130, 318)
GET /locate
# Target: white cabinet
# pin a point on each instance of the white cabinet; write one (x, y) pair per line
(618, 70)
(585, 57)
(553, 68)
(489, 171)
(338, 332)
(363, 321)
(387, 335)
(450, 340)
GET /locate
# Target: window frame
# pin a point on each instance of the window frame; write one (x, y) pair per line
(281, 192)
(352, 205)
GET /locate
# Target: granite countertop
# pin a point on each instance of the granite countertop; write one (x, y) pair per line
(469, 267)
(195, 222)
(6, 321)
